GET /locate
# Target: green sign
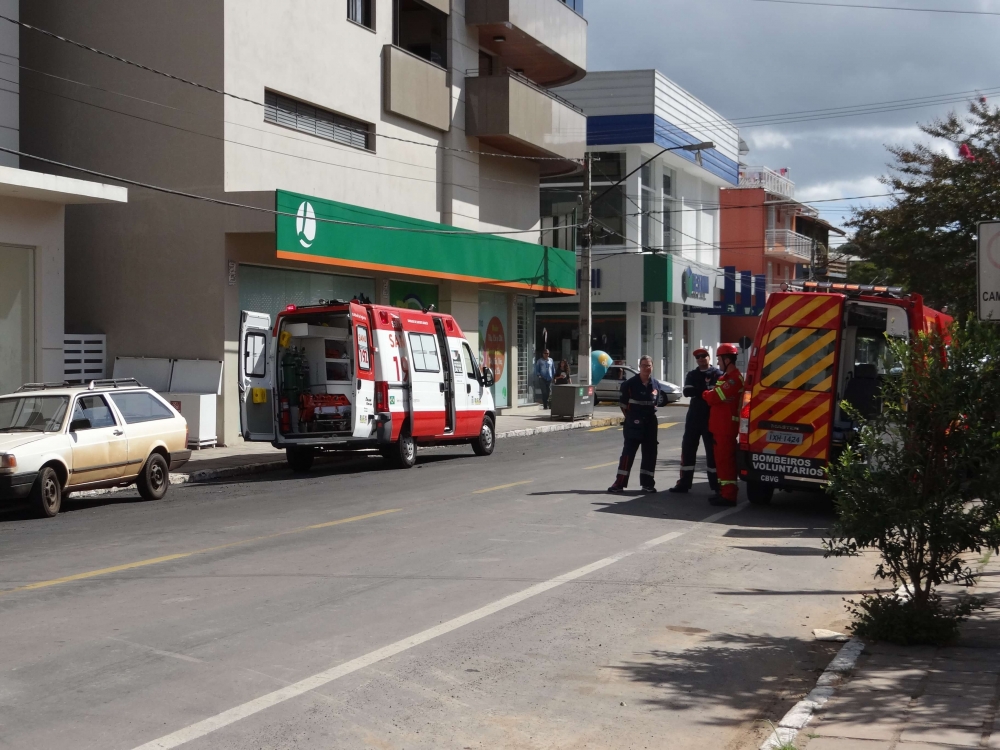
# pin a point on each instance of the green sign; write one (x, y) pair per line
(412, 295)
(339, 234)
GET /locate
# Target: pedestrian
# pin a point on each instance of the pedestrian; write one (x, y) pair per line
(724, 424)
(545, 371)
(702, 378)
(639, 395)
(562, 374)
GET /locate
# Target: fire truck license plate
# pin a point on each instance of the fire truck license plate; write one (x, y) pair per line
(785, 438)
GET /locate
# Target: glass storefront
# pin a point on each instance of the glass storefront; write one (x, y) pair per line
(270, 290)
(525, 349)
(17, 317)
(494, 338)
(668, 345)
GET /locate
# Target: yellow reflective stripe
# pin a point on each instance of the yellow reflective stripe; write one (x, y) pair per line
(722, 393)
(798, 358)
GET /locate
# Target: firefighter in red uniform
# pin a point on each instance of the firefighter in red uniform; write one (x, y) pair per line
(724, 424)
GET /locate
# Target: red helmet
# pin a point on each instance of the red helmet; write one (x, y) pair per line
(700, 353)
(729, 349)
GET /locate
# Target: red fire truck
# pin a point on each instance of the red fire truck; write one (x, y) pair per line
(814, 348)
(350, 375)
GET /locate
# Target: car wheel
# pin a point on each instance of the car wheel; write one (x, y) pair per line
(403, 453)
(484, 444)
(154, 479)
(46, 493)
(759, 493)
(300, 460)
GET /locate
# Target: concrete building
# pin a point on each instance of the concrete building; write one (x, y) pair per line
(32, 210)
(768, 233)
(656, 248)
(376, 128)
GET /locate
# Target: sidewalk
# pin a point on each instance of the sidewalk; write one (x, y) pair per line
(920, 698)
(252, 458)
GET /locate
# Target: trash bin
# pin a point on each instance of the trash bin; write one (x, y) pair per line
(572, 402)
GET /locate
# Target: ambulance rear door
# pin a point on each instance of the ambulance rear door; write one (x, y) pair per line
(256, 377)
(794, 388)
(364, 372)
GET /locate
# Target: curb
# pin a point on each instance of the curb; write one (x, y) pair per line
(800, 714)
(260, 467)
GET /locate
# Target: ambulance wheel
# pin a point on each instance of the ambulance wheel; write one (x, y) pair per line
(403, 453)
(300, 460)
(759, 493)
(484, 444)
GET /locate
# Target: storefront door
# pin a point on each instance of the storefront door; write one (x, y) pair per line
(17, 319)
(494, 343)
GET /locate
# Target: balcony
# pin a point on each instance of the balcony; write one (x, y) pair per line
(514, 115)
(415, 88)
(788, 245)
(546, 39)
(771, 181)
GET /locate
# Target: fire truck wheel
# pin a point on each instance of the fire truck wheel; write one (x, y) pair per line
(483, 445)
(759, 493)
(300, 460)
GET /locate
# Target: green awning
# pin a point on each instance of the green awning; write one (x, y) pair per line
(377, 241)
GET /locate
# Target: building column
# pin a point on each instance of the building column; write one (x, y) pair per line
(657, 352)
(633, 333)
(679, 367)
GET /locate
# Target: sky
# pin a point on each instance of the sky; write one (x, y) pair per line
(746, 58)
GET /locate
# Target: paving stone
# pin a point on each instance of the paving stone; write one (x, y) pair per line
(840, 743)
(956, 688)
(975, 680)
(923, 746)
(954, 736)
(867, 728)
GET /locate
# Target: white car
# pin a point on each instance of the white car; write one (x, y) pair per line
(610, 387)
(55, 439)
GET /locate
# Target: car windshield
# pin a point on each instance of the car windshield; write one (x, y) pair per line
(33, 413)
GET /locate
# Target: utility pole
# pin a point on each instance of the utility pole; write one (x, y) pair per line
(586, 239)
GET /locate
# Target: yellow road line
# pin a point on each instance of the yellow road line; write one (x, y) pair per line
(502, 487)
(601, 466)
(665, 425)
(182, 555)
(601, 429)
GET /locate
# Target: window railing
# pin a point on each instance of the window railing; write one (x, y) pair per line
(771, 181)
(521, 78)
(787, 242)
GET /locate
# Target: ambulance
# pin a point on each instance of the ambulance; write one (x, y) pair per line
(814, 348)
(343, 376)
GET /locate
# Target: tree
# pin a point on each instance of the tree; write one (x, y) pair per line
(925, 239)
(921, 484)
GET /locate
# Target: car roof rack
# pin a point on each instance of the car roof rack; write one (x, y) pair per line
(42, 386)
(115, 383)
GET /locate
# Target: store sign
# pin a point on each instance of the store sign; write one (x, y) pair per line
(988, 273)
(305, 224)
(692, 284)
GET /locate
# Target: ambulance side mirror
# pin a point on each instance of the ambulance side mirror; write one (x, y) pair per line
(488, 377)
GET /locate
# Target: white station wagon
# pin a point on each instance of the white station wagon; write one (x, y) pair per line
(56, 439)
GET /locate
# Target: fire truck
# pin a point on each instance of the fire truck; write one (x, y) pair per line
(342, 376)
(816, 347)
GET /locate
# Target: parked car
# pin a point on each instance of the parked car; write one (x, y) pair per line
(56, 439)
(610, 387)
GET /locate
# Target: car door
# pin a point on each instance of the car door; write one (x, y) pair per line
(609, 389)
(470, 421)
(97, 440)
(256, 377)
(364, 373)
(146, 422)
(427, 389)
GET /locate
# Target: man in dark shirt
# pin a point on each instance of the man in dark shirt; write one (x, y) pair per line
(699, 380)
(638, 402)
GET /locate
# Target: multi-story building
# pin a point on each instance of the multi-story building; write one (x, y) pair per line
(376, 128)
(768, 233)
(656, 243)
(32, 211)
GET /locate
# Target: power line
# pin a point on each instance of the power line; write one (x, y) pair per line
(237, 97)
(259, 209)
(884, 7)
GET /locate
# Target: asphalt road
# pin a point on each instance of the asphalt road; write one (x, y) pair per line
(501, 602)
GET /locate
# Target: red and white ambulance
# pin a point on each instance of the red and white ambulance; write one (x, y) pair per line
(352, 375)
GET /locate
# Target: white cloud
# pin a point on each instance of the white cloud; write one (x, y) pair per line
(839, 189)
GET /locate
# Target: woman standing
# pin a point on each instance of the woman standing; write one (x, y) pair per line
(562, 376)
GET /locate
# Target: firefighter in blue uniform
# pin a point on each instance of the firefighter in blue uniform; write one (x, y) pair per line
(640, 394)
(702, 378)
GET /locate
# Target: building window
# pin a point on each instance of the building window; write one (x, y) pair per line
(562, 195)
(421, 30)
(362, 12)
(315, 121)
(646, 197)
(667, 207)
(576, 5)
